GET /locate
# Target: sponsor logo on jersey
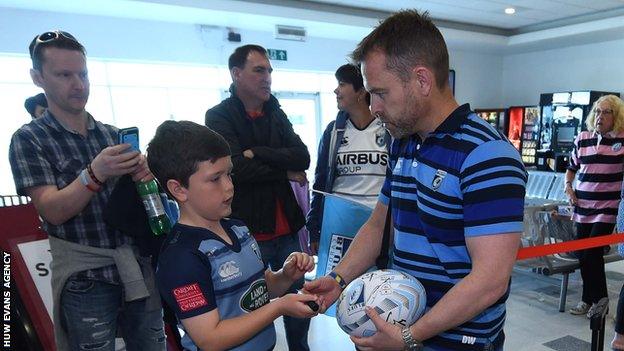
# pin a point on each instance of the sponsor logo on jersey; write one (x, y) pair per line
(362, 158)
(437, 179)
(255, 297)
(189, 297)
(229, 270)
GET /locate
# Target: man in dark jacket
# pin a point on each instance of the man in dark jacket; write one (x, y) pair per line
(266, 154)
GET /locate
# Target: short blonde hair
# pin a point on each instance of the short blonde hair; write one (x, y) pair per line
(617, 105)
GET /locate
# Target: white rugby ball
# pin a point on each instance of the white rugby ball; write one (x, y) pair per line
(397, 297)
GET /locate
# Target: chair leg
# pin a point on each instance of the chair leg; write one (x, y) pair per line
(563, 293)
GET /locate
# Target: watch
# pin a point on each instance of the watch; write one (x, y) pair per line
(411, 344)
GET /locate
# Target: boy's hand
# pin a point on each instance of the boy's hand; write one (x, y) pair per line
(297, 264)
(294, 305)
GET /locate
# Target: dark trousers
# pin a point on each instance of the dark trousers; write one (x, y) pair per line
(592, 262)
(274, 253)
(619, 316)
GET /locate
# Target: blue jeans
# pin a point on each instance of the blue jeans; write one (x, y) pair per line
(92, 311)
(274, 253)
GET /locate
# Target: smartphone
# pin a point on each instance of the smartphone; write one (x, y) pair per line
(130, 136)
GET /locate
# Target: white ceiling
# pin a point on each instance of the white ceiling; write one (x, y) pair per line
(478, 25)
(490, 13)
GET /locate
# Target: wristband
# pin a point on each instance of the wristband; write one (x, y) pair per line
(84, 179)
(338, 278)
(92, 175)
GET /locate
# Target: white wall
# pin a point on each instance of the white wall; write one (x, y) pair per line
(585, 67)
(478, 76)
(120, 38)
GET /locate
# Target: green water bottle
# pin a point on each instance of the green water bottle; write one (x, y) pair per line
(158, 220)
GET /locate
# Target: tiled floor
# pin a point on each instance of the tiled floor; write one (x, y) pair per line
(533, 320)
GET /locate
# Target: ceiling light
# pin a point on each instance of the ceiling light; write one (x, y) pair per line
(510, 10)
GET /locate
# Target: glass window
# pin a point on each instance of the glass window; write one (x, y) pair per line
(15, 69)
(145, 108)
(100, 105)
(301, 110)
(191, 104)
(143, 94)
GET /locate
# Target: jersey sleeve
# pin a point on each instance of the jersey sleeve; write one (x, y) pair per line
(185, 283)
(493, 181)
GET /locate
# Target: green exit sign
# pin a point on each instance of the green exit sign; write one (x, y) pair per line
(277, 55)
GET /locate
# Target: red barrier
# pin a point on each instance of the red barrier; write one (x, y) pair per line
(580, 244)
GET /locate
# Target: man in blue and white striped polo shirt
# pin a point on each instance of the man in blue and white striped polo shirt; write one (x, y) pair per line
(456, 189)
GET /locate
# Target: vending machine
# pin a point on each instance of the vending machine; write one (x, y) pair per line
(563, 117)
(497, 117)
(523, 131)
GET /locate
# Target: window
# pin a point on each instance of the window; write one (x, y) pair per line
(126, 94)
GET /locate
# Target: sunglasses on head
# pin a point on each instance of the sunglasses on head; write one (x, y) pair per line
(51, 36)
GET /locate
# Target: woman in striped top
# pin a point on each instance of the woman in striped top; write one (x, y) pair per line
(597, 157)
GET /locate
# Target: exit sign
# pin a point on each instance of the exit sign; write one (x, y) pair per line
(277, 55)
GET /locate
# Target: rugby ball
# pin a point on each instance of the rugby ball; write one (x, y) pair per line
(397, 297)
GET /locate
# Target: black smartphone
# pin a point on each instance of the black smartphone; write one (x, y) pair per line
(130, 136)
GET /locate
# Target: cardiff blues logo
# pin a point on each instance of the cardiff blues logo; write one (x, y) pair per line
(616, 146)
(380, 139)
(344, 141)
(437, 179)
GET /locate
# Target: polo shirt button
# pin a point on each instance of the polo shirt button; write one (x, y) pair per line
(418, 147)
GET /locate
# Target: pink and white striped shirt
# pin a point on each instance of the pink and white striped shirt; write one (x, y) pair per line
(599, 164)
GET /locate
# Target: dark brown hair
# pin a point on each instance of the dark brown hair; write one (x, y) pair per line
(408, 38)
(63, 40)
(239, 56)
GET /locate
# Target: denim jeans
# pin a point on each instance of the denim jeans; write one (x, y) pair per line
(274, 252)
(93, 311)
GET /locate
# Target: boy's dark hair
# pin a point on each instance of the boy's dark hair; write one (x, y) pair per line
(56, 39)
(33, 101)
(408, 38)
(239, 56)
(351, 74)
(178, 148)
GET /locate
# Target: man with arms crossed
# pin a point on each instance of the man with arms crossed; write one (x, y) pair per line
(455, 187)
(68, 163)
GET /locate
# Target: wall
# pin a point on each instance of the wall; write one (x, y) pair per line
(478, 79)
(120, 38)
(584, 67)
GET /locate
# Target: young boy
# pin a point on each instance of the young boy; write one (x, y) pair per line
(210, 269)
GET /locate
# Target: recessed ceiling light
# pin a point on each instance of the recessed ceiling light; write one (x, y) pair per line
(510, 10)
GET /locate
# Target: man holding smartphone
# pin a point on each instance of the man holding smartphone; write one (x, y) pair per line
(68, 163)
